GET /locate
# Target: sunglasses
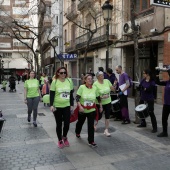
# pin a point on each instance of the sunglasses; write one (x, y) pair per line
(62, 72)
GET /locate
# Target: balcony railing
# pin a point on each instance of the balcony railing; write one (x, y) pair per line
(71, 12)
(83, 4)
(98, 37)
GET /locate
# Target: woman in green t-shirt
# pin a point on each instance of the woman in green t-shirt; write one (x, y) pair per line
(61, 102)
(32, 96)
(104, 87)
(86, 101)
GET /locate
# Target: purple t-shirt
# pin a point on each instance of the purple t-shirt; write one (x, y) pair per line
(122, 80)
(147, 94)
(167, 93)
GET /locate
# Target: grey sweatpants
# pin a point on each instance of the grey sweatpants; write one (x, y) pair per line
(32, 104)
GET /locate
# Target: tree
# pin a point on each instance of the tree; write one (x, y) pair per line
(92, 11)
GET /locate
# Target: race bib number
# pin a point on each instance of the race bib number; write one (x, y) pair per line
(65, 95)
(88, 103)
(105, 96)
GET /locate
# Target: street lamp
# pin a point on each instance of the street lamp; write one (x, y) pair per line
(1, 68)
(54, 43)
(107, 15)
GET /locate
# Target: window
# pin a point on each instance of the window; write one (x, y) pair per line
(56, 19)
(65, 33)
(141, 5)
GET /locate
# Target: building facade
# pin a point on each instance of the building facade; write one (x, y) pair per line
(14, 52)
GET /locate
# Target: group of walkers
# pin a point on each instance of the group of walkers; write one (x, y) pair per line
(94, 99)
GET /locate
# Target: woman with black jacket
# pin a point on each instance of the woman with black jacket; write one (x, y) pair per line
(146, 87)
(166, 106)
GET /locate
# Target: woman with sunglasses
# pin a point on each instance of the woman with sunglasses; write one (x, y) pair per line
(61, 102)
(146, 87)
(32, 96)
(86, 97)
(104, 87)
(166, 106)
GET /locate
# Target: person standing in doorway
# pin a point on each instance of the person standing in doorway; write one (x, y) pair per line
(32, 96)
(125, 83)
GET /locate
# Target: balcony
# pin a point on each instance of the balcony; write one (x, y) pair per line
(71, 46)
(83, 4)
(99, 39)
(71, 12)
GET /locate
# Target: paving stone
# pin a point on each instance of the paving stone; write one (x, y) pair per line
(118, 143)
(48, 151)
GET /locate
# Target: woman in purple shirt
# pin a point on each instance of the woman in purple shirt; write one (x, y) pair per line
(166, 106)
(146, 87)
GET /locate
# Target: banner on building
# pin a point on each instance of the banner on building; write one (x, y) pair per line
(67, 56)
(163, 3)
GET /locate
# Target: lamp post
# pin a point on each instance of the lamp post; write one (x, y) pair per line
(54, 43)
(1, 68)
(107, 15)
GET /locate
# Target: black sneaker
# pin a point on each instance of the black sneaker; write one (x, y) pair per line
(29, 119)
(139, 126)
(35, 124)
(154, 131)
(93, 145)
(163, 134)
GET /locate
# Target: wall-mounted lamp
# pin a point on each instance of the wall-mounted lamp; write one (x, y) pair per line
(95, 54)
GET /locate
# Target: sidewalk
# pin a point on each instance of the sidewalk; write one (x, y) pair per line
(23, 147)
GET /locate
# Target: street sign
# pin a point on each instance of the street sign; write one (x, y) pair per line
(67, 56)
(163, 3)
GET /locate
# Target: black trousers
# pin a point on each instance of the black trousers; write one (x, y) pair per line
(151, 114)
(90, 124)
(165, 115)
(106, 110)
(62, 115)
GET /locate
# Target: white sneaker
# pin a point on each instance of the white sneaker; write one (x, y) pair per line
(106, 133)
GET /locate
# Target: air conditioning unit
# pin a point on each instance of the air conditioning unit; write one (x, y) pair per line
(127, 28)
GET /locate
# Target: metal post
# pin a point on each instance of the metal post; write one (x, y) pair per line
(107, 45)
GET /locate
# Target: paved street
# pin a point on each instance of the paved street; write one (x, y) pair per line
(23, 147)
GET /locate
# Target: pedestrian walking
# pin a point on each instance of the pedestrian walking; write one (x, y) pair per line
(32, 96)
(46, 91)
(166, 105)
(124, 84)
(146, 87)
(42, 78)
(86, 101)
(4, 83)
(61, 102)
(104, 87)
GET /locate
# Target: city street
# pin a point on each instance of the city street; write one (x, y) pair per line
(24, 147)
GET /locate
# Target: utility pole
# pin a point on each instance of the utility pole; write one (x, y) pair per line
(136, 54)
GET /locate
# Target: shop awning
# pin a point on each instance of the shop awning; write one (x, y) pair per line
(149, 39)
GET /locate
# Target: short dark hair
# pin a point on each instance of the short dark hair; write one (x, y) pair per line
(109, 70)
(101, 69)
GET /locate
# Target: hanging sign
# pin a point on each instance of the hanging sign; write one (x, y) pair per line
(67, 56)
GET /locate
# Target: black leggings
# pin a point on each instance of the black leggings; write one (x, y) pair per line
(62, 115)
(165, 115)
(151, 114)
(90, 124)
(106, 110)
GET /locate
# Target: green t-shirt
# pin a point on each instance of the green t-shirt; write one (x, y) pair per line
(32, 86)
(42, 80)
(62, 92)
(4, 83)
(104, 91)
(88, 97)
